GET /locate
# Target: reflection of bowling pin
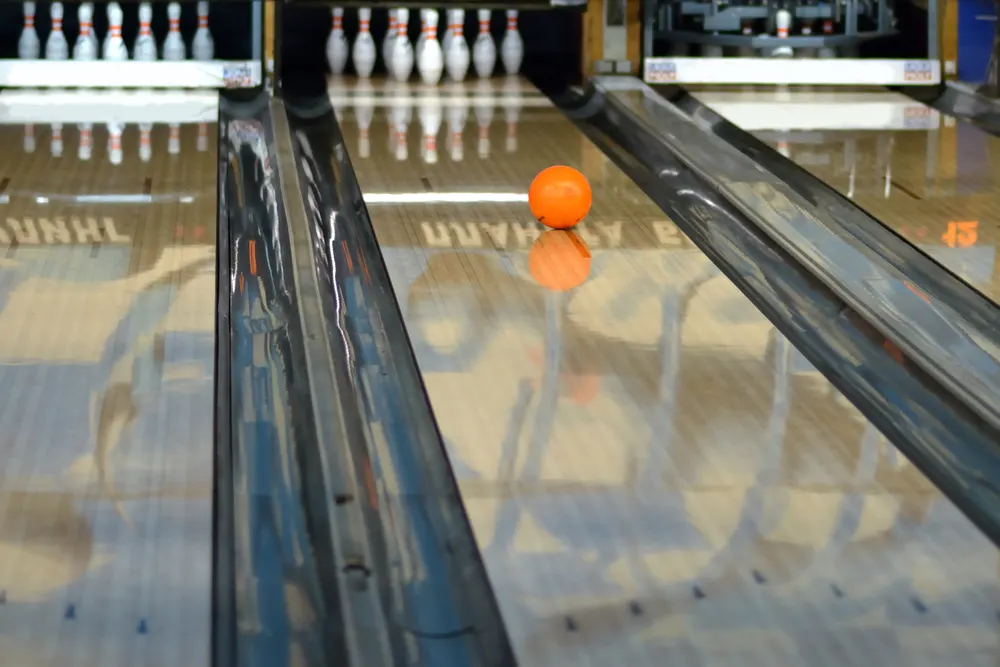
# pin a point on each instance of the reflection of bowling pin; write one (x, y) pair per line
(484, 116)
(402, 51)
(484, 51)
(364, 45)
(115, 142)
(364, 110)
(511, 111)
(336, 43)
(399, 128)
(56, 145)
(145, 141)
(430, 60)
(430, 122)
(389, 41)
(457, 116)
(174, 142)
(29, 138)
(85, 149)
(29, 46)
(456, 55)
(86, 43)
(202, 137)
(512, 46)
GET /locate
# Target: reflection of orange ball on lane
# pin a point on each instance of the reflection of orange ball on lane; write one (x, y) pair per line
(560, 197)
(559, 260)
(580, 389)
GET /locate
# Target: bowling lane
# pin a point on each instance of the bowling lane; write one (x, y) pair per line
(930, 178)
(107, 316)
(647, 463)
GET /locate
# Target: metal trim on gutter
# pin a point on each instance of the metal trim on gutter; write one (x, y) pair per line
(448, 615)
(364, 626)
(223, 561)
(956, 351)
(963, 102)
(946, 440)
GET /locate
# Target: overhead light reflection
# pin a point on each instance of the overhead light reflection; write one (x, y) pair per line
(446, 198)
(107, 199)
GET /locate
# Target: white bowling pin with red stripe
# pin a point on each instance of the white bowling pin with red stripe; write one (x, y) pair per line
(29, 46)
(484, 51)
(336, 44)
(203, 46)
(363, 52)
(430, 62)
(512, 46)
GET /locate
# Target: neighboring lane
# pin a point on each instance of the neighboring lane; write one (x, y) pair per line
(928, 177)
(107, 317)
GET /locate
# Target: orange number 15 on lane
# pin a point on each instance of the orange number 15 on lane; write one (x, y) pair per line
(961, 234)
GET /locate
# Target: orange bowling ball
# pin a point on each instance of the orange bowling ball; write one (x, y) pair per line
(560, 197)
(559, 260)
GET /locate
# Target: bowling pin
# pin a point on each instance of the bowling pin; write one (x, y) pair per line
(336, 44)
(56, 46)
(484, 51)
(364, 45)
(446, 37)
(456, 57)
(746, 30)
(203, 46)
(782, 21)
(85, 148)
(389, 42)
(457, 117)
(29, 46)
(173, 45)
(430, 123)
(826, 51)
(402, 50)
(145, 43)
(806, 31)
(86, 44)
(114, 46)
(431, 60)
(512, 46)
(423, 35)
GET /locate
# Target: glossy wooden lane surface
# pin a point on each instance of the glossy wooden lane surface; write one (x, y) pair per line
(652, 472)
